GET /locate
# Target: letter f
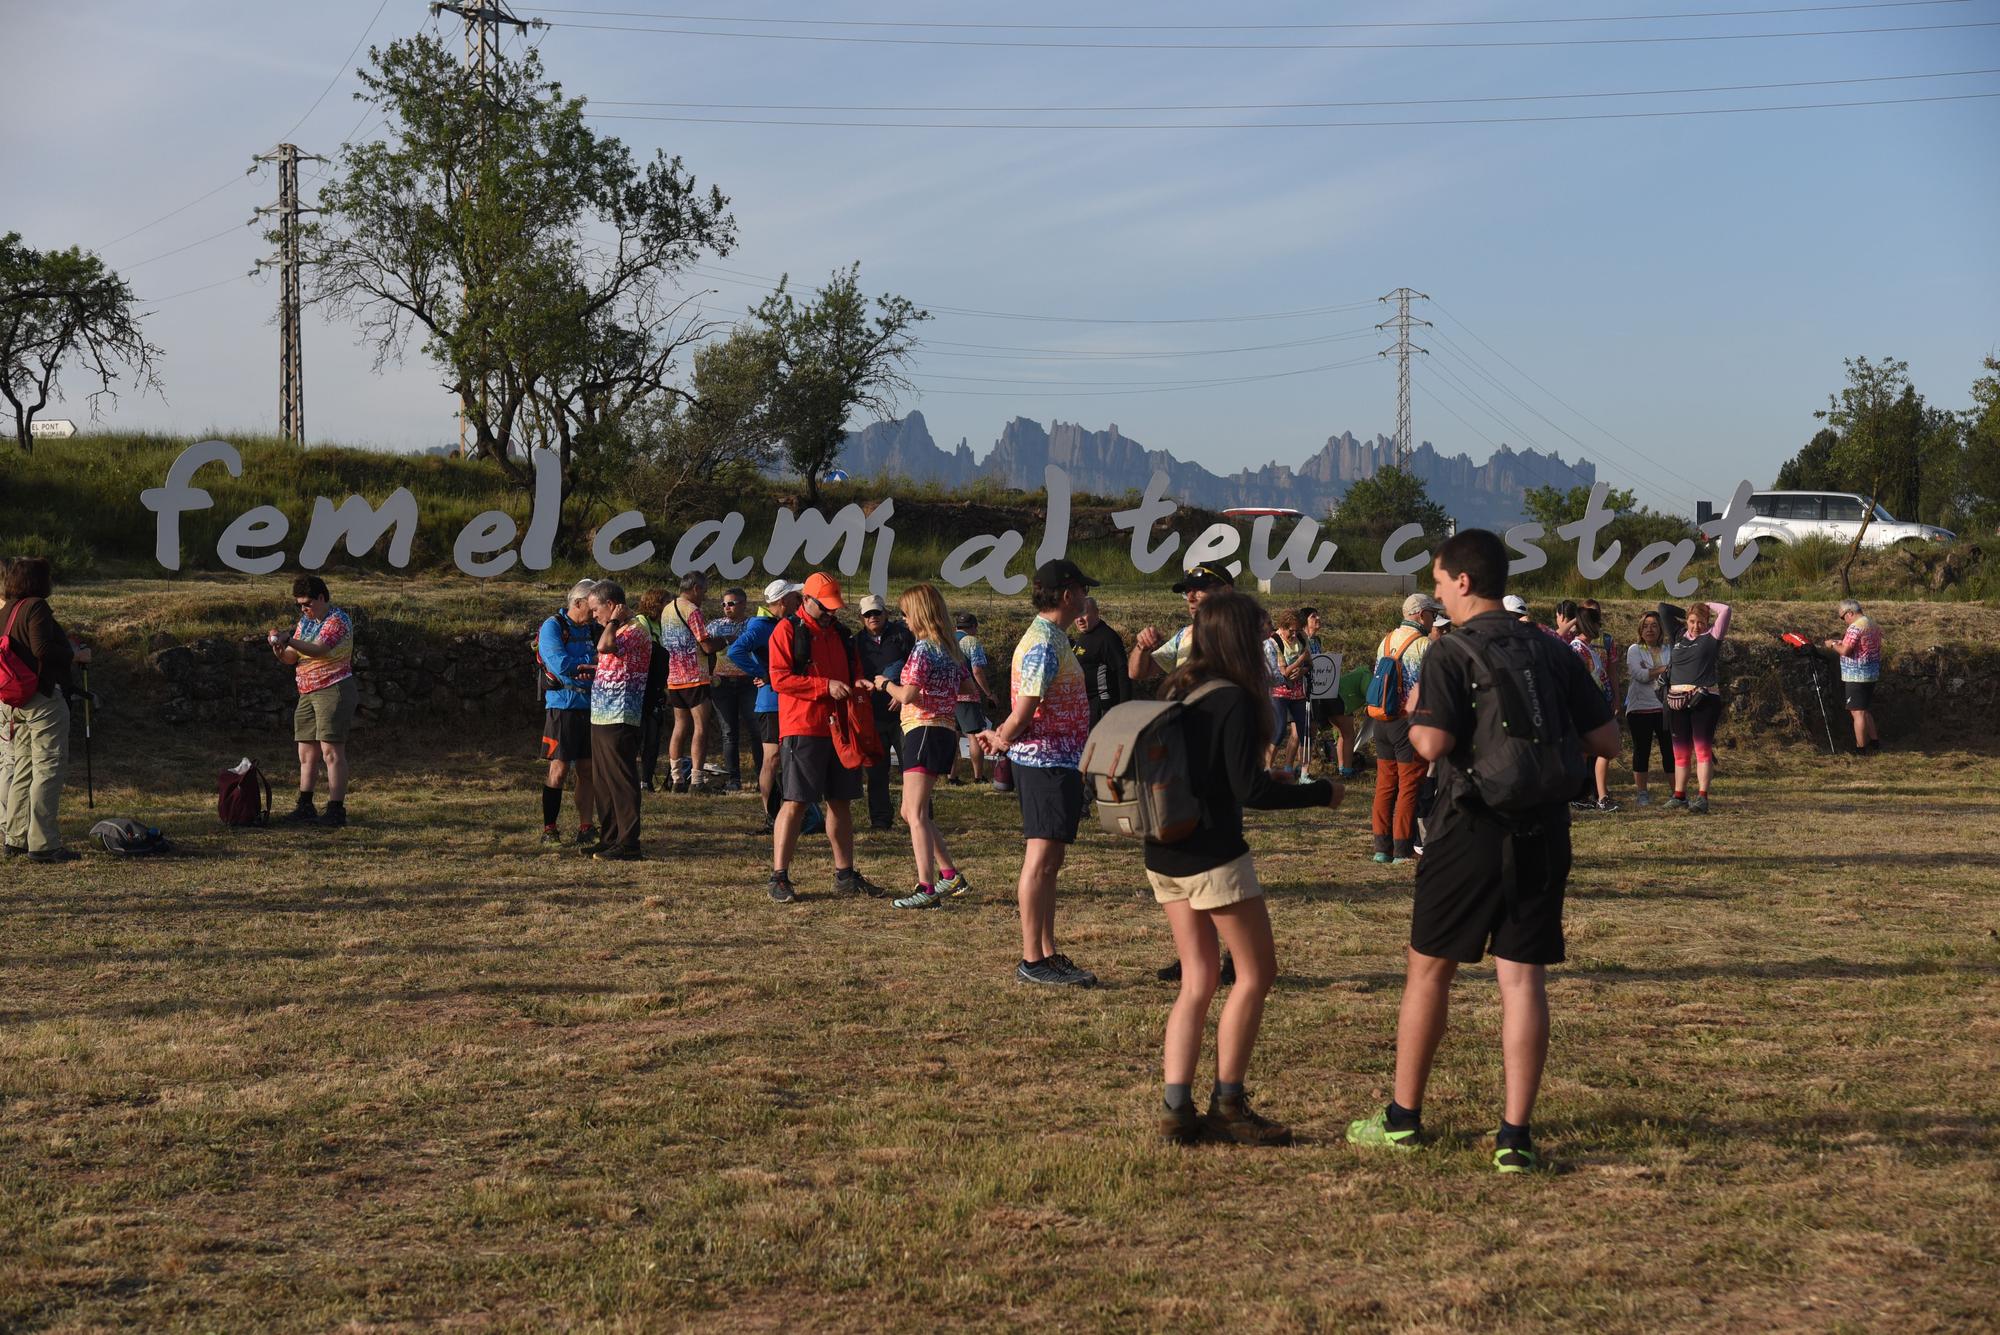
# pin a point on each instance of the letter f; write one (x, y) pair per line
(174, 499)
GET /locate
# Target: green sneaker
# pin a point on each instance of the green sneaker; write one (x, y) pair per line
(1515, 1159)
(920, 898)
(1382, 858)
(1376, 1131)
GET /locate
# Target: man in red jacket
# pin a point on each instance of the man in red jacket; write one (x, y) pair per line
(814, 670)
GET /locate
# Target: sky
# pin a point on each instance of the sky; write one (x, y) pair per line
(1669, 296)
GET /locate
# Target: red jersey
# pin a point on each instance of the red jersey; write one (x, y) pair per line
(804, 705)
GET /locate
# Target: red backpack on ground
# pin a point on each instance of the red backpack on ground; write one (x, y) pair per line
(236, 797)
(18, 681)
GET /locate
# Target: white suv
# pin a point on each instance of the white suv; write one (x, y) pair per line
(1787, 516)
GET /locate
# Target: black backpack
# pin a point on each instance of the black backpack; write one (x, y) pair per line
(564, 627)
(802, 644)
(1526, 755)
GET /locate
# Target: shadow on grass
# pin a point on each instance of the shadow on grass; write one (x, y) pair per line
(1821, 861)
(228, 956)
(1611, 1130)
(163, 1007)
(1814, 970)
(89, 902)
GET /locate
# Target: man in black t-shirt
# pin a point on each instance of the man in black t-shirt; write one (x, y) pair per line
(1101, 654)
(1485, 882)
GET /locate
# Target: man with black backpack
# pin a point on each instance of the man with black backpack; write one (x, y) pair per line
(566, 652)
(1512, 715)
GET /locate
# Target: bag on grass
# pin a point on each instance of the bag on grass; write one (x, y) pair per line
(128, 838)
(1135, 765)
(236, 796)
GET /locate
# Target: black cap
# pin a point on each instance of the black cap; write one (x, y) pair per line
(1204, 576)
(1061, 574)
(965, 621)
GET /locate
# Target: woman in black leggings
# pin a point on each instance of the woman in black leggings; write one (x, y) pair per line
(1646, 665)
(1694, 695)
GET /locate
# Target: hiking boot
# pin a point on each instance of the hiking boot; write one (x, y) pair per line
(1179, 1126)
(1606, 804)
(1698, 804)
(305, 813)
(551, 835)
(14, 852)
(923, 897)
(1071, 975)
(586, 836)
(1375, 1131)
(618, 853)
(1346, 772)
(956, 887)
(852, 882)
(1642, 800)
(1041, 971)
(1677, 804)
(334, 817)
(1230, 1118)
(881, 826)
(1224, 976)
(1516, 1159)
(1583, 804)
(781, 888)
(682, 786)
(591, 849)
(49, 855)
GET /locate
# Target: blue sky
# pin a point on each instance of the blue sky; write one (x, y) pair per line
(1689, 285)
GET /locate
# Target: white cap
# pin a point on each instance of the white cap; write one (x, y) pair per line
(778, 588)
(1515, 603)
(873, 603)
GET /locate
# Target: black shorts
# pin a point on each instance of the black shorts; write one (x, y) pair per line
(688, 697)
(767, 728)
(1392, 742)
(1480, 888)
(809, 770)
(1051, 801)
(1860, 695)
(932, 748)
(566, 734)
(971, 718)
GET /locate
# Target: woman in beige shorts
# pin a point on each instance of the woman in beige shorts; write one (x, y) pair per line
(1207, 883)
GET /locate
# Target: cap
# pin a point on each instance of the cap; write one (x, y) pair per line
(965, 621)
(1417, 604)
(1515, 603)
(777, 589)
(873, 603)
(1204, 576)
(1059, 574)
(824, 587)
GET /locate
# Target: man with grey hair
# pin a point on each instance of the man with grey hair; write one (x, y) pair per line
(1860, 651)
(566, 650)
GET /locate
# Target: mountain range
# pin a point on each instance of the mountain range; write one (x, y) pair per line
(1110, 463)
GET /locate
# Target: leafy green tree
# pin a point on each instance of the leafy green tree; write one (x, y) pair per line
(1981, 461)
(533, 259)
(1375, 507)
(829, 356)
(718, 436)
(1632, 526)
(1811, 469)
(63, 308)
(1876, 422)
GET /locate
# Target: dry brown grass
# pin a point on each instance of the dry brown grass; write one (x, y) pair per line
(419, 1072)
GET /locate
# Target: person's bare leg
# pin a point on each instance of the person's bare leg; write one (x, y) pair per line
(1874, 733)
(308, 766)
(925, 847)
(335, 756)
(1860, 719)
(677, 740)
(1603, 778)
(785, 834)
(1246, 930)
(1420, 1024)
(1638, 781)
(840, 834)
(1524, 1034)
(1343, 727)
(767, 773)
(1040, 861)
(1201, 969)
(699, 745)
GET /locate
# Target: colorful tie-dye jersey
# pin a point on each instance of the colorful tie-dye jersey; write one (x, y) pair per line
(333, 633)
(1861, 651)
(682, 628)
(936, 675)
(975, 657)
(1282, 656)
(1593, 663)
(1044, 667)
(618, 691)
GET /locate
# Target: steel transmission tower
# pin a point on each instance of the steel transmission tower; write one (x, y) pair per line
(291, 357)
(482, 19)
(1402, 324)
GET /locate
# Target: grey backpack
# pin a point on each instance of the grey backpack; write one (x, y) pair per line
(1136, 763)
(128, 838)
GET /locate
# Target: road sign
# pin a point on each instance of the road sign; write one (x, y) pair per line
(54, 428)
(1325, 677)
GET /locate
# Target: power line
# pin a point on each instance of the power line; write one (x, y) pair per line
(1528, 460)
(1005, 352)
(190, 291)
(1301, 106)
(1298, 125)
(1659, 39)
(1239, 27)
(227, 231)
(1156, 389)
(338, 71)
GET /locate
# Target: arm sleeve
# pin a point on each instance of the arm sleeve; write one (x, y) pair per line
(1039, 667)
(1120, 675)
(50, 646)
(1444, 700)
(1673, 623)
(1249, 782)
(784, 680)
(1588, 708)
(1721, 626)
(1849, 643)
(747, 651)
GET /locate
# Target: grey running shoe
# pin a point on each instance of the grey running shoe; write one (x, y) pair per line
(1643, 800)
(1072, 976)
(1698, 804)
(852, 882)
(1041, 971)
(1606, 804)
(781, 888)
(1677, 804)
(920, 898)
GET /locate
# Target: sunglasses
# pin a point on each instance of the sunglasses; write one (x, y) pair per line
(731, 602)
(305, 605)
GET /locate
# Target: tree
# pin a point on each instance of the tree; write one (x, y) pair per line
(1375, 507)
(722, 435)
(829, 357)
(533, 258)
(1872, 417)
(58, 308)
(1632, 526)
(1811, 469)
(1981, 460)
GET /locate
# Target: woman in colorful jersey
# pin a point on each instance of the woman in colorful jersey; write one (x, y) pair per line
(928, 694)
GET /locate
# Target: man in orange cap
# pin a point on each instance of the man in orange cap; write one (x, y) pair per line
(813, 668)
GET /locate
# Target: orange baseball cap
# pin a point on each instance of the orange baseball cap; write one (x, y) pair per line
(824, 587)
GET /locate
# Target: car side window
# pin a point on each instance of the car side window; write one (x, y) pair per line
(1843, 508)
(1761, 507)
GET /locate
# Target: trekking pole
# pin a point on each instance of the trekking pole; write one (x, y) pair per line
(1824, 717)
(89, 779)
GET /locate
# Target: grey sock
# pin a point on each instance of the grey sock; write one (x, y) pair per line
(1178, 1097)
(1226, 1090)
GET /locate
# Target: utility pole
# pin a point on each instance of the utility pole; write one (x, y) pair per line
(1402, 324)
(291, 358)
(482, 19)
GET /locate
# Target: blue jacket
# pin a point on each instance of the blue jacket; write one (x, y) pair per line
(751, 651)
(565, 647)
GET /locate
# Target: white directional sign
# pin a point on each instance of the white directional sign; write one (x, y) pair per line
(55, 428)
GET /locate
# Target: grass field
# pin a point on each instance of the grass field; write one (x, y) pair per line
(419, 1072)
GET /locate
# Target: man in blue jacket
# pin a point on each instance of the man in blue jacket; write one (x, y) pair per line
(566, 649)
(751, 651)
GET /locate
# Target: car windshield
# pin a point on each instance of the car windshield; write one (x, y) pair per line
(1883, 516)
